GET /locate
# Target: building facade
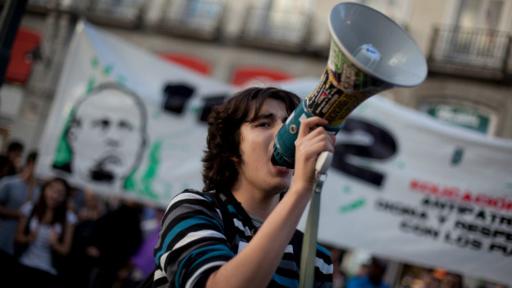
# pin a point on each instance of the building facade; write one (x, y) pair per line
(467, 44)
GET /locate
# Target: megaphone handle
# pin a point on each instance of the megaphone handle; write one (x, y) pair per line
(307, 274)
(323, 163)
(307, 259)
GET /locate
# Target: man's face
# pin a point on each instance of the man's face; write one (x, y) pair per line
(256, 149)
(107, 136)
(15, 157)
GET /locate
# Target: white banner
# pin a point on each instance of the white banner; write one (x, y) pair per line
(402, 184)
(408, 187)
(126, 122)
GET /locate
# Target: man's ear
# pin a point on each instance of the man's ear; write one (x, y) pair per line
(71, 135)
(236, 160)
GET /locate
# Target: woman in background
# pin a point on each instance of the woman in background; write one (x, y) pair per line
(45, 232)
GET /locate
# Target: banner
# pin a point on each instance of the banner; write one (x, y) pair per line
(125, 121)
(408, 187)
(402, 185)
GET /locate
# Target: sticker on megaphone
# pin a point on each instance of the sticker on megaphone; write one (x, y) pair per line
(368, 56)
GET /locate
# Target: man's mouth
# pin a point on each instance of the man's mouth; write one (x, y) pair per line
(111, 159)
(281, 170)
(101, 171)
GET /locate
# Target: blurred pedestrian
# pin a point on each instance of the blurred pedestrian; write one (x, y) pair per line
(44, 234)
(14, 191)
(117, 237)
(338, 276)
(143, 260)
(78, 275)
(10, 162)
(373, 278)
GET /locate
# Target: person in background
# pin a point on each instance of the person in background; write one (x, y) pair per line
(45, 232)
(338, 277)
(116, 238)
(92, 208)
(373, 278)
(450, 280)
(11, 161)
(143, 260)
(14, 191)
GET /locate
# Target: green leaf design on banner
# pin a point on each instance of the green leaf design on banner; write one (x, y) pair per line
(94, 62)
(63, 153)
(354, 205)
(90, 85)
(130, 184)
(151, 171)
(107, 70)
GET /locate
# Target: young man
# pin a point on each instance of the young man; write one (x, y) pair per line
(240, 232)
(14, 192)
(11, 161)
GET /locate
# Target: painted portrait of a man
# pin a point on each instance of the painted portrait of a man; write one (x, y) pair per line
(104, 137)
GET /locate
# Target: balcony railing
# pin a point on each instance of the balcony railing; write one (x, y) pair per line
(117, 13)
(200, 19)
(275, 29)
(469, 52)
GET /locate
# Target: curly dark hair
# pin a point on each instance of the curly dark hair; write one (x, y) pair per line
(223, 143)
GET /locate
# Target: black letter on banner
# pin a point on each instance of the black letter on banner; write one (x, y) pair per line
(209, 103)
(383, 147)
(176, 96)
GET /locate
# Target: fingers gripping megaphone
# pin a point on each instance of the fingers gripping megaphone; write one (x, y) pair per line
(369, 53)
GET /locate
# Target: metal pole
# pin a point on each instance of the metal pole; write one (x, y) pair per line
(307, 259)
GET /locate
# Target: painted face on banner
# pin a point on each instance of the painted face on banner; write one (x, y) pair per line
(107, 136)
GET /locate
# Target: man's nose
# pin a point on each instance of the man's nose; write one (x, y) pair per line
(113, 143)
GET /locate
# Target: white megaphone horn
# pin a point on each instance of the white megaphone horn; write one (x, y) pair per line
(369, 53)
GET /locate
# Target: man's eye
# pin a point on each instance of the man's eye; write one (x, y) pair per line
(102, 123)
(125, 125)
(264, 124)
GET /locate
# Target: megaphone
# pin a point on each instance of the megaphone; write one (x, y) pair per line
(369, 53)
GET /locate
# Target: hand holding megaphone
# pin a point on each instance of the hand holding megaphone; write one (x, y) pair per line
(369, 53)
(312, 142)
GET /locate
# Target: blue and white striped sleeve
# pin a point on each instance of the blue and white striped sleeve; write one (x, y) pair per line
(323, 267)
(192, 242)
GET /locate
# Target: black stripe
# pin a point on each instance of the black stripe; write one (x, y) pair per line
(180, 235)
(190, 247)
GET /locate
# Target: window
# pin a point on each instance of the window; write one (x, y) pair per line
(479, 14)
(204, 15)
(126, 9)
(279, 21)
(398, 10)
(474, 38)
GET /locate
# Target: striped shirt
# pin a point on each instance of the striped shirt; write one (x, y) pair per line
(202, 231)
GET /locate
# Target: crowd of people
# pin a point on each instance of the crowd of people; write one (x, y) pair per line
(55, 235)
